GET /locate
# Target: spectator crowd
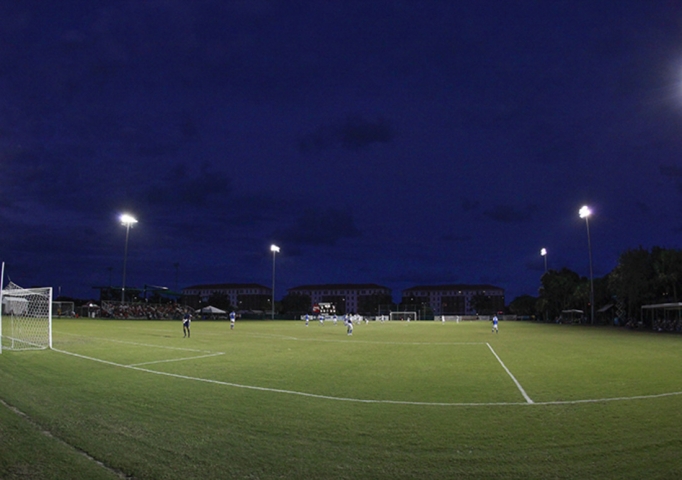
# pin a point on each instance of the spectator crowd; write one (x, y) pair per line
(167, 311)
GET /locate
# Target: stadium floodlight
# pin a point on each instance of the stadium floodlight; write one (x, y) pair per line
(585, 213)
(275, 250)
(127, 221)
(543, 252)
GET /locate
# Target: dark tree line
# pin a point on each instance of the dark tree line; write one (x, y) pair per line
(641, 277)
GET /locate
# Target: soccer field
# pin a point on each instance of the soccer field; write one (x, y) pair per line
(395, 400)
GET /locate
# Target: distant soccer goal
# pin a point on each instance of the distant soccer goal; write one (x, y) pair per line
(26, 320)
(407, 316)
(63, 309)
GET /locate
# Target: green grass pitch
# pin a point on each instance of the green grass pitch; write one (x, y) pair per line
(395, 400)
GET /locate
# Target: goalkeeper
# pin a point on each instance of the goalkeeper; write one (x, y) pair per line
(186, 320)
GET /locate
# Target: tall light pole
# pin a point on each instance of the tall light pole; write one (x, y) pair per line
(585, 213)
(275, 250)
(543, 252)
(127, 221)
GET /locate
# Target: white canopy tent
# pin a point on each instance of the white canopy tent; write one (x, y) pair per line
(571, 316)
(211, 310)
(14, 305)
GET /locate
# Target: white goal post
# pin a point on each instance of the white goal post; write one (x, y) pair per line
(26, 320)
(409, 316)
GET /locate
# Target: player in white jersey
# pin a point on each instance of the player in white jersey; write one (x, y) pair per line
(349, 326)
(186, 321)
(334, 319)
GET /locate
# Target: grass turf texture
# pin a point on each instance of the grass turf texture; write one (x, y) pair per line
(163, 406)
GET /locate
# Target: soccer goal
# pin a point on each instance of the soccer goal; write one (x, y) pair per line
(408, 316)
(26, 320)
(63, 309)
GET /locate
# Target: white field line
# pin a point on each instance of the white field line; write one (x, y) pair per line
(345, 340)
(137, 344)
(176, 359)
(430, 344)
(518, 385)
(61, 441)
(359, 400)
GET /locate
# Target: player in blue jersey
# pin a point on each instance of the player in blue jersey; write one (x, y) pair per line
(495, 329)
(307, 319)
(233, 317)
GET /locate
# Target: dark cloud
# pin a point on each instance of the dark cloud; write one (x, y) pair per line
(468, 204)
(674, 173)
(178, 188)
(411, 277)
(355, 133)
(671, 171)
(509, 214)
(324, 227)
(642, 207)
(456, 238)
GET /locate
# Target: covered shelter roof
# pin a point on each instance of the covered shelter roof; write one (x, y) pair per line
(663, 306)
(211, 309)
(662, 312)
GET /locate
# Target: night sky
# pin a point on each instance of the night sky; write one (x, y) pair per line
(393, 142)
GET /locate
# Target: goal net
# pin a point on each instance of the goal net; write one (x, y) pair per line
(407, 316)
(26, 320)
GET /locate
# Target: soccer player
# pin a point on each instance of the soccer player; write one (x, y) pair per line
(232, 319)
(321, 318)
(349, 326)
(334, 319)
(307, 319)
(495, 329)
(186, 320)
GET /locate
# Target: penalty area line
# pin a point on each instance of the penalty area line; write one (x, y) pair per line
(518, 385)
(137, 344)
(279, 390)
(528, 401)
